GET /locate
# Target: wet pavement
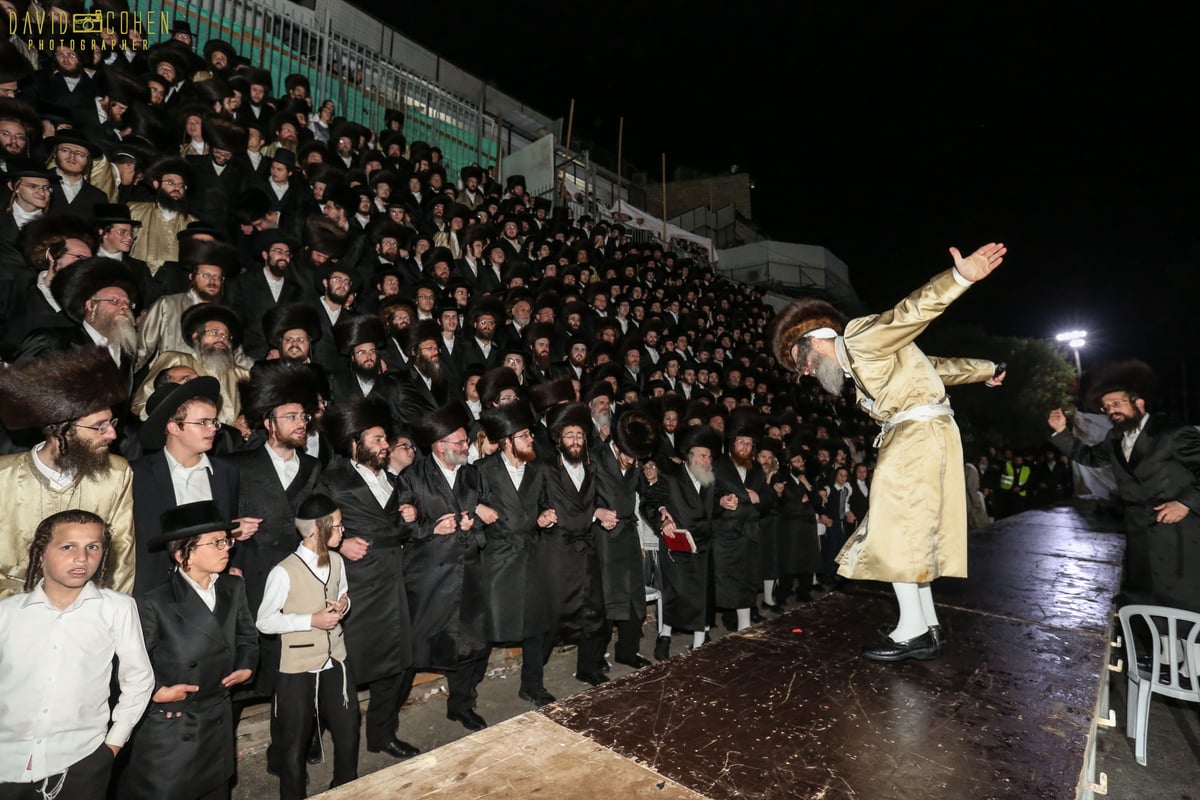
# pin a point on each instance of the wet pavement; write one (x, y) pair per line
(789, 708)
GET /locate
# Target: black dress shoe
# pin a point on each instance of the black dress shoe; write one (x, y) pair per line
(469, 719)
(755, 616)
(637, 662)
(591, 678)
(539, 697)
(921, 647)
(397, 749)
(729, 620)
(774, 609)
(662, 648)
(314, 748)
(939, 638)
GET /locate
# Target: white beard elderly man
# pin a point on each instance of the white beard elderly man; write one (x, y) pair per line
(918, 498)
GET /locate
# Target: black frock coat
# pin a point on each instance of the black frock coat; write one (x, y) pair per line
(444, 573)
(514, 574)
(798, 548)
(190, 756)
(378, 632)
(619, 550)
(573, 583)
(1161, 561)
(736, 534)
(685, 575)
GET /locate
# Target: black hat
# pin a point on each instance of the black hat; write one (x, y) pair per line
(28, 168)
(285, 317)
(513, 181)
(264, 240)
(700, 436)
(635, 434)
(222, 134)
(350, 332)
(77, 283)
(316, 506)
(559, 418)
(494, 382)
(286, 157)
(167, 399)
(170, 165)
(324, 236)
(424, 331)
(195, 318)
(278, 383)
(250, 206)
(113, 214)
(440, 424)
(1136, 378)
(188, 520)
(59, 387)
(345, 421)
(546, 395)
(194, 253)
(504, 421)
(68, 136)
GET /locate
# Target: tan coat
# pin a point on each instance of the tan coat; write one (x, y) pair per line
(231, 400)
(29, 498)
(160, 331)
(916, 527)
(156, 243)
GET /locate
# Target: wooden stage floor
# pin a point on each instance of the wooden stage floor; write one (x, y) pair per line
(790, 709)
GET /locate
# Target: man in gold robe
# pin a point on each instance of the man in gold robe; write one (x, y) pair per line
(69, 397)
(163, 219)
(916, 526)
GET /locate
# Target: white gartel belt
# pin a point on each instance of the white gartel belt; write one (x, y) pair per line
(923, 413)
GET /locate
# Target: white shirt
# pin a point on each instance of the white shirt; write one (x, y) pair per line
(484, 347)
(378, 483)
(21, 217)
(1129, 438)
(576, 473)
(191, 484)
(43, 285)
(312, 445)
(55, 667)
(273, 283)
(695, 483)
(863, 488)
(280, 189)
(101, 252)
(272, 620)
(255, 158)
(286, 469)
(333, 312)
(365, 385)
(516, 474)
(102, 341)
(207, 596)
(447, 472)
(58, 480)
(70, 188)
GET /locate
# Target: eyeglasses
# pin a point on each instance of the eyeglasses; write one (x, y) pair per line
(40, 188)
(337, 281)
(103, 427)
(405, 446)
(203, 423)
(365, 351)
(220, 544)
(295, 340)
(116, 303)
(1114, 404)
(280, 251)
(572, 437)
(522, 435)
(456, 442)
(73, 154)
(211, 276)
(213, 333)
(295, 416)
(337, 528)
(171, 183)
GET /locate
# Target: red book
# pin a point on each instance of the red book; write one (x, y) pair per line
(681, 542)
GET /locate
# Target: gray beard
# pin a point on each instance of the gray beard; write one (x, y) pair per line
(123, 334)
(453, 458)
(602, 420)
(830, 375)
(704, 475)
(216, 362)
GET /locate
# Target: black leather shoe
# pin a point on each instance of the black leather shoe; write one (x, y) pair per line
(637, 662)
(539, 697)
(921, 647)
(591, 678)
(939, 638)
(774, 609)
(662, 648)
(397, 749)
(729, 620)
(469, 719)
(755, 616)
(314, 748)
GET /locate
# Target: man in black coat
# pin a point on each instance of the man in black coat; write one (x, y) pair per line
(683, 499)
(443, 569)
(255, 292)
(574, 576)
(513, 571)
(73, 156)
(217, 180)
(742, 498)
(1157, 468)
(178, 435)
(618, 482)
(379, 640)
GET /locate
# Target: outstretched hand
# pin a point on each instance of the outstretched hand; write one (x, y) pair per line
(979, 264)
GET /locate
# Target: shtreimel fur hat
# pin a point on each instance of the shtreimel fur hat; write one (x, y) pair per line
(59, 388)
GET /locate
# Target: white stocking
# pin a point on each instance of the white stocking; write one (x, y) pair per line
(912, 618)
(769, 592)
(743, 618)
(927, 607)
(697, 639)
(666, 631)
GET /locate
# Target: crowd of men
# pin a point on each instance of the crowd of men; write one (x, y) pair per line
(217, 303)
(220, 306)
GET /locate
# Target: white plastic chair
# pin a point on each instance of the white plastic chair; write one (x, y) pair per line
(655, 596)
(1173, 671)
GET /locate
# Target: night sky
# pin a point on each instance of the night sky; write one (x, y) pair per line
(887, 132)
